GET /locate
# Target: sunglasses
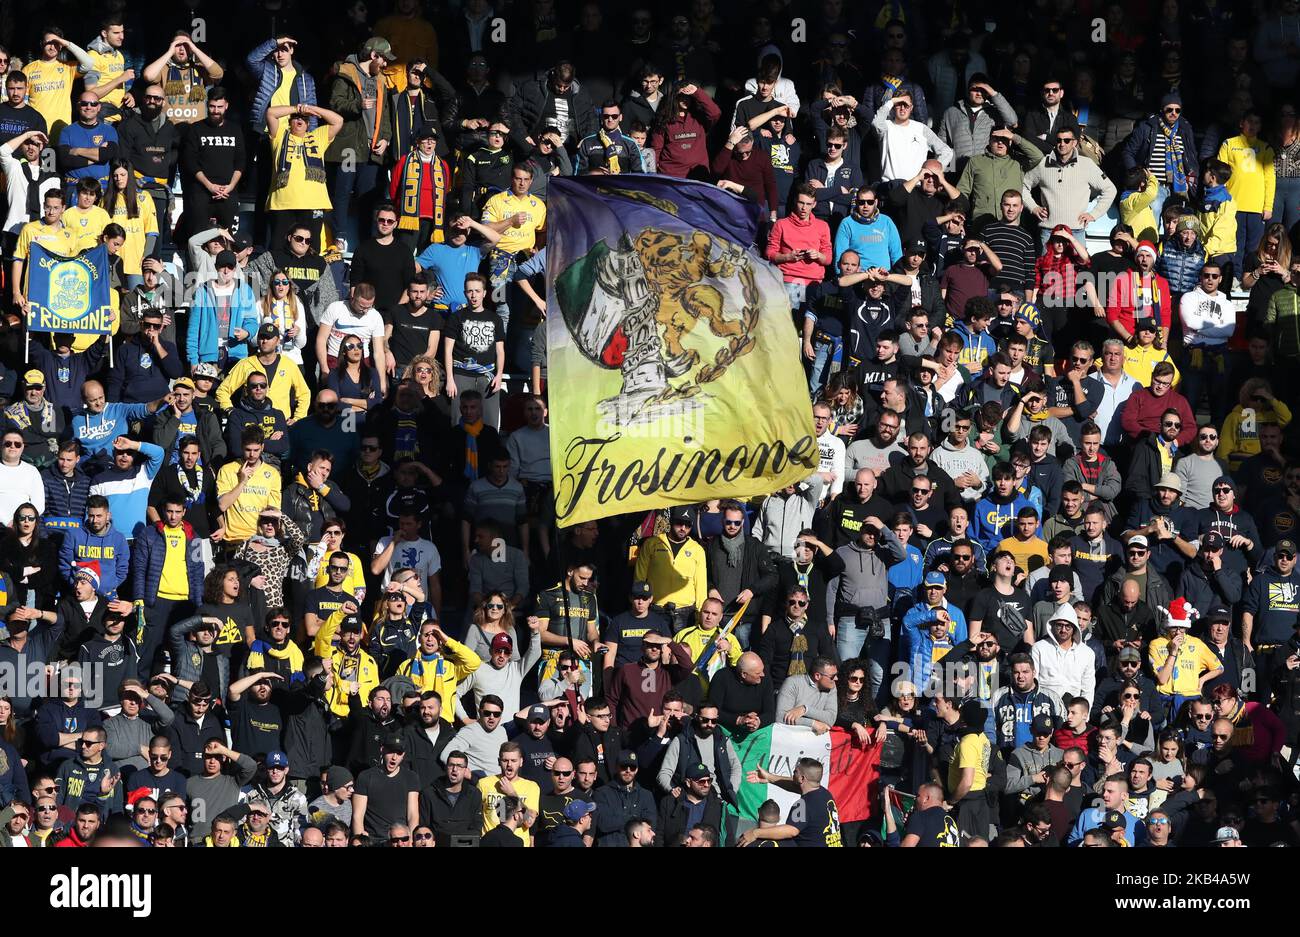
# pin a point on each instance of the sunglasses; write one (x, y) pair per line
(351, 346)
(10, 444)
(87, 104)
(369, 448)
(261, 386)
(1171, 424)
(1130, 696)
(299, 239)
(866, 201)
(834, 146)
(798, 603)
(1208, 436)
(338, 569)
(733, 523)
(1221, 737)
(490, 715)
(856, 678)
(423, 837)
(496, 605)
(47, 808)
(562, 774)
(705, 722)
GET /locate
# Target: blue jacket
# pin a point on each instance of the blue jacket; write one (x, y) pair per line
(876, 242)
(108, 554)
(1011, 715)
(1182, 268)
(261, 64)
(96, 431)
(147, 564)
(993, 520)
(56, 716)
(565, 836)
(64, 376)
(139, 376)
(918, 646)
(1135, 831)
(201, 338)
(101, 135)
(64, 497)
(13, 780)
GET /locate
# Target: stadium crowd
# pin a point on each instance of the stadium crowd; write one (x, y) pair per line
(280, 565)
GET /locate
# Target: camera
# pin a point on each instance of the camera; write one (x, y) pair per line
(868, 620)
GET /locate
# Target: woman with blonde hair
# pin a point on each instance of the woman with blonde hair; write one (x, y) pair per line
(427, 372)
(280, 305)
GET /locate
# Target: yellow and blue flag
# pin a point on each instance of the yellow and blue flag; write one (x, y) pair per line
(69, 294)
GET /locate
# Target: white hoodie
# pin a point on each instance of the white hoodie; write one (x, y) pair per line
(956, 462)
(1072, 671)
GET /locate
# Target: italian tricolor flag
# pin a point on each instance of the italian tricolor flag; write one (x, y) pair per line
(850, 769)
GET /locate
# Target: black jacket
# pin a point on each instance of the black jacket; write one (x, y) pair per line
(297, 506)
(211, 446)
(534, 104)
(151, 150)
(367, 734)
(757, 570)
(673, 823)
(266, 418)
(896, 483)
(584, 743)
(463, 818)
(423, 756)
(734, 698)
(366, 518)
(306, 733)
(775, 645)
(824, 569)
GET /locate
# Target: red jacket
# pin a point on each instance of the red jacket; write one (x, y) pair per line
(1065, 739)
(1258, 734)
(1141, 413)
(71, 841)
(791, 234)
(1120, 306)
(683, 145)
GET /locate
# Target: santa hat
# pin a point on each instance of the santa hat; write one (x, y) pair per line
(1181, 614)
(1146, 247)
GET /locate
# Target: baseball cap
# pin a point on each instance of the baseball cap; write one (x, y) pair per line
(351, 623)
(1145, 325)
(426, 133)
(697, 772)
(381, 45)
(277, 760)
(539, 713)
(1113, 820)
(1130, 653)
(1042, 725)
(183, 382)
(393, 743)
(936, 578)
(1285, 546)
(1227, 834)
(268, 330)
(1212, 541)
(337, 777)
(628, 760)
(1218, 613)
(1171, 481)
(681, 515)
(641, 590)
(1139, 541)
(502, 642)
(205, 369)
(226, 259)
(915, 247)
(240, 244)
(34, 378)
(575, 810)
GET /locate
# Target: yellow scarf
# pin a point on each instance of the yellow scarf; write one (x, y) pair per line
(611, 155)
(408, 215)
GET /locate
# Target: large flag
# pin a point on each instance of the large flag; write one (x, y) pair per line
(850, 771)
(69, 294)
(674, 367)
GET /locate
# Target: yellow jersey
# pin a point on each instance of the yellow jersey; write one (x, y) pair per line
(49, 90)
(261, 492)
(1194, 658)
(527, 790)
(110, 65)
(973, 751)
(86, 224)
(175, 582)
(137, 230)
(57, 239)
(281, 97)
(300, 192)
(502, 206)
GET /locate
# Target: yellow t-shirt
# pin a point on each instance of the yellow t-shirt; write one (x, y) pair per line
(49, 90)
(300, 192)
(110, 65)
(281, 96)
(1030, 554)
(261, 492)
(528, 790)
(59, 239)
(86, 225)
(137, 229)
(175, 582)
(972, 752)
(1194, 658)
(503, 205)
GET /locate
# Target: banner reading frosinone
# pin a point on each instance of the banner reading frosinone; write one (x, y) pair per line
(673, 363)
(69, 294)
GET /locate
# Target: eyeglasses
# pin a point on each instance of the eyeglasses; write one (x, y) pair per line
(608, 116)
(1158, 821)
(1212, 276)
(400, 839)
(496, 133)
(27, 518)
(1285, 556)
(350, 346)
(146, 809)
(338, 569)
(565, 668)
(987, 644)
(797, 603)
(1208, 436)
(856, 678)
(11, 444)
(89, 742)
(1082, 360)
(299, 239)
(156, 756)
(1130, 696)
(47, 808)
(1202, 717)
(706, 722)
(490, 715)
(1223, 490)
(259, 386)
(1173, 110)
(1137, 551)
(1052, 89)
(494, 605)
(733, 523)
(1172, 424)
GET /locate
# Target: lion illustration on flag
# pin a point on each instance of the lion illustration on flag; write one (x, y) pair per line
(634, 307)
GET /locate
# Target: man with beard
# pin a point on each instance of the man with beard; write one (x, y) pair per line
(560, 794)
(369, 727)
(881, 450)
(255, 409)
(426, 736)
(151, 143)
(452, 805)
(896, 483)
(1200, 467)
(1170, 527)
